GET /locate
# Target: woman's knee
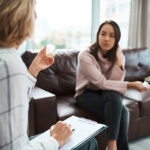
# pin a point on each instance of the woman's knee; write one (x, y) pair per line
(115, 98)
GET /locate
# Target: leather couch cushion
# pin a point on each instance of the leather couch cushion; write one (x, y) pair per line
(137, 64)
(42, 111)
(133, 108)
(67, 106)
(145, 104)
(60, 78)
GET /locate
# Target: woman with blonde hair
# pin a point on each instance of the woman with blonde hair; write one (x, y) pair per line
(17, 18)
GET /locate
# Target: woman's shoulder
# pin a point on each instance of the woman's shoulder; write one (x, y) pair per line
(85, 53)
(11, 61)
(85, 56)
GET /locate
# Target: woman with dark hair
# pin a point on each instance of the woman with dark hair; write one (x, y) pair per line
(100, 87)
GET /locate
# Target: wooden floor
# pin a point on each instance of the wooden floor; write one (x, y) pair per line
(140, 144)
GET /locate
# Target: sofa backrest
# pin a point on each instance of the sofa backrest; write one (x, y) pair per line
(137, 64)
(60, 78)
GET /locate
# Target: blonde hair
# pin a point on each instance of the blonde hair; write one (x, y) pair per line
(16, 21)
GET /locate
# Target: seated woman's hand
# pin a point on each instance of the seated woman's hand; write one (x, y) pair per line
(61, 132)
(138, 86)
(146, 85)
(40, 62)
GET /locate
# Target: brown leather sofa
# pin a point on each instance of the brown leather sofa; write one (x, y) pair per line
(60, 79)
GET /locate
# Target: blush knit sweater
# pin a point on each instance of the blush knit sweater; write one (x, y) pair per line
(92, 74)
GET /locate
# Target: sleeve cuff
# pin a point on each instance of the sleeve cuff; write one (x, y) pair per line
(32, 78)
(126, 82)
(45, 143)
(54, 141)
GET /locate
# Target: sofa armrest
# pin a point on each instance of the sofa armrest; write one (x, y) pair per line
(42, 111)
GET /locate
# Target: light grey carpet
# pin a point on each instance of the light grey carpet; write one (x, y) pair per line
(140, 144)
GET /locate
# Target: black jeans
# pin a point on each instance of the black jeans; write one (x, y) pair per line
(108, 106)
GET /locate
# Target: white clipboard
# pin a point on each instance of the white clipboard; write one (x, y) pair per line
(84, 130)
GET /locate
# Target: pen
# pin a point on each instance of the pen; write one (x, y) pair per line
(73, 130)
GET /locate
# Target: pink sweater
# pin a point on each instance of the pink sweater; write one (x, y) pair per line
(91, 74)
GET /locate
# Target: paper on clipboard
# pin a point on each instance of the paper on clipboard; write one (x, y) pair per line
(84, 131)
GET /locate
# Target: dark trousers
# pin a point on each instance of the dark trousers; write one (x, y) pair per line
(108, 106)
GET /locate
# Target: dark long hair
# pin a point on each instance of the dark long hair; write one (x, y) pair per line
(111, 54)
